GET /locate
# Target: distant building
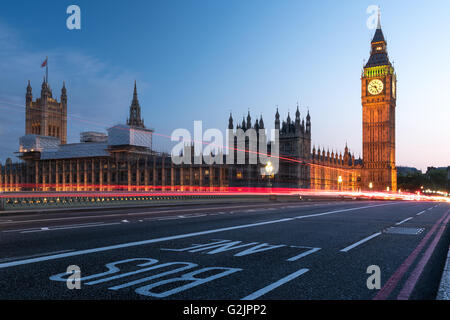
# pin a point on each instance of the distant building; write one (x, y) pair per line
(405, 171)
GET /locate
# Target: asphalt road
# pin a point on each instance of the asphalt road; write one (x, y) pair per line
(233, 251)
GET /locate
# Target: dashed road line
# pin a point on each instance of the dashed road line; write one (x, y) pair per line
(73, 227)
(270, 287)
(347, 249)
(47, 228)
(403, 221)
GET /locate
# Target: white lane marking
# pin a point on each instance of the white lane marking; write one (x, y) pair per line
(347, 249)
(168, 218)
(304, 254)
(198, 216)
(257, 206)
(403, 221)
(62, 226)
(270, 287)
(74, 227)
(168, 238)
(34, 255)
(421, 212)
(341, 210)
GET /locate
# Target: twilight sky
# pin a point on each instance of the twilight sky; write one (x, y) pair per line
(199, 59)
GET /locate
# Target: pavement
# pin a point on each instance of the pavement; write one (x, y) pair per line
(335, 250)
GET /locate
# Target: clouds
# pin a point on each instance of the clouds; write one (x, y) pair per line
(99, 92)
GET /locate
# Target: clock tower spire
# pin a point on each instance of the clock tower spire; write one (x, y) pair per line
(378, 95)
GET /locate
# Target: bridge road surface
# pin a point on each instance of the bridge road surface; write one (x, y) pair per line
(228, 251)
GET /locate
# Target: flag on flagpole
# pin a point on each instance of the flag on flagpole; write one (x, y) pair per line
(45, 65)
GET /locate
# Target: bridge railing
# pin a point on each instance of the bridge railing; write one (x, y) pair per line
(17, 202)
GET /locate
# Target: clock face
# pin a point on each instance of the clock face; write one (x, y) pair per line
(375, 87)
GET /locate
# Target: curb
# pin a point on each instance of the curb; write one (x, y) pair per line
(444, 287)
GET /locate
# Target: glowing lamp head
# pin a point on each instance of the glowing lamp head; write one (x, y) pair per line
(269, 168)
(371, 185)
(340, 179)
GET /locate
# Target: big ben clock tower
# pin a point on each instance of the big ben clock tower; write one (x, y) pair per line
(378, 94)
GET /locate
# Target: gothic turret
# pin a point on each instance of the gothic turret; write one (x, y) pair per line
(297, 116)
(257, 125)
(308, 123)
(29, 95)
(64, 93)
(249, 120)
(277, 120)
(230, 122)
(135, 112)
(45, 91)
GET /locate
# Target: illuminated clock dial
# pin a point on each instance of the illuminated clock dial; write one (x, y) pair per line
(375, 87)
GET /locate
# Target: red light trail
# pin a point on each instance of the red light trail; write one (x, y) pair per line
(171, 191)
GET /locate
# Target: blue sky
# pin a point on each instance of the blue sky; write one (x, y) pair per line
(197, 60)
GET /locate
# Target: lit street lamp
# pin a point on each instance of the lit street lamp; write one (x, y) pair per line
(339, 183)
(370, 186)
(269, 171)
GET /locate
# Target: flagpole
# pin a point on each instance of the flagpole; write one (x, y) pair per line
(46, 69)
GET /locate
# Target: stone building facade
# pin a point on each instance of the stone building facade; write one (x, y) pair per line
(46, 116)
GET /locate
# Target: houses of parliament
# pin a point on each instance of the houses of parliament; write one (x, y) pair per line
(123, 158)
